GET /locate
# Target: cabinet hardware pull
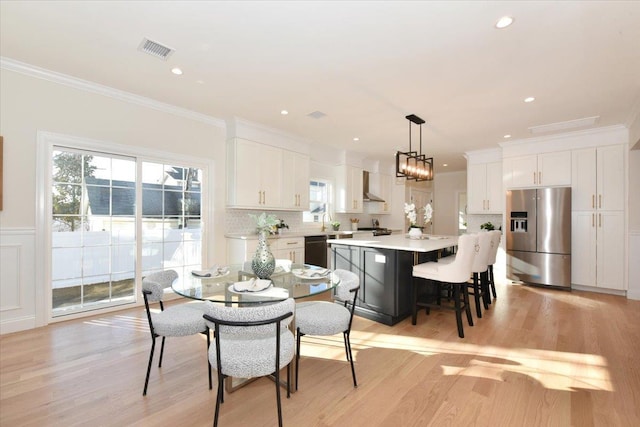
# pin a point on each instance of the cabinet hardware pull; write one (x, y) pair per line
(259, 197)
(539, 177)
(593, 220)
(534, 178)
(599, 200)
(600, 220)
(488, 205)
(593, 201)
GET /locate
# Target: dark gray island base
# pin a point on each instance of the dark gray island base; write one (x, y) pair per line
(384, 266)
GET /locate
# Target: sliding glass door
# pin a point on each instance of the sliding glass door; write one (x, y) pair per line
(114, 215)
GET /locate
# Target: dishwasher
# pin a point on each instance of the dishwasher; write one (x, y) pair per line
(316, 251)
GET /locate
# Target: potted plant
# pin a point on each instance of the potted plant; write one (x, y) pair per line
(335, 225)
(487, 226)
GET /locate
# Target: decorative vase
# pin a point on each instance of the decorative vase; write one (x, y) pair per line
(263, 263)
(415, 233)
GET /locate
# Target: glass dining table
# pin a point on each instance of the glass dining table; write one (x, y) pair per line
(230, 285)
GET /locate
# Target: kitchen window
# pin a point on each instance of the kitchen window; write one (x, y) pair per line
(319, 201)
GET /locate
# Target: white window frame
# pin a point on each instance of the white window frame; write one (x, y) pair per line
(46, 143)
(329, 200)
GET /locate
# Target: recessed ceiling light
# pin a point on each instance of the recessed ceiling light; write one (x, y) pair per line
(356, 139)
(504, 22)
(529, 99)
(507, 136)
(177, 71)
(445, 164)
(284, 112)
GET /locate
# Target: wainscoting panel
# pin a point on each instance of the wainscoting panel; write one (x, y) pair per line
(17, 280)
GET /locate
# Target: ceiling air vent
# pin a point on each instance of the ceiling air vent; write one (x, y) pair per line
(317, 115)
(155, 49)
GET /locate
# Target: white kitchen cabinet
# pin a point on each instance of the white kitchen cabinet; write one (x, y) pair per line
(291, 248)
(380, 185)
(598, 178)
(597, 249)
(597, 234)
(254, 175)
(295, 183)
(348, 189)
(484, 188)
(542, 170)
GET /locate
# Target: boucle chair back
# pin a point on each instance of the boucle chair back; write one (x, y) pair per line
(348, 282)
(249, 314)
(157, 282)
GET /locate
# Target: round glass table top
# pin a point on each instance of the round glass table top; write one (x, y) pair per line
(236, 284)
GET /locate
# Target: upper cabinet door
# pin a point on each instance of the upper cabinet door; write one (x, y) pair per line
(524, 171)
(495, 193)
(476, 188)
(254, 175)
(610, 178)
(554, 168)
(583, 179)
(348, 189)
(295, 182)
(598, 178)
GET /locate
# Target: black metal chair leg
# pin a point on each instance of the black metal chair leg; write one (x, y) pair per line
(297, 354)
(288, 382)
(161, 353)
(347, 341)
(218, 398)
(277, 375)
(146, 381)
(208, 361)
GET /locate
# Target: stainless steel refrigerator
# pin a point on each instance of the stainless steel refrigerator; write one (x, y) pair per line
(539, 236)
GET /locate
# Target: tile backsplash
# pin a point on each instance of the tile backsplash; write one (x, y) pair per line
(239, 221)
(475, 221)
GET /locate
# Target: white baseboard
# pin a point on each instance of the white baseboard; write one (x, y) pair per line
(17, 324)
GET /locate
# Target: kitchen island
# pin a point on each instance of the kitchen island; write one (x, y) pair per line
(384, 266)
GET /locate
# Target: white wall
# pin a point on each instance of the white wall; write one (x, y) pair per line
(446, 187)
(30, 104)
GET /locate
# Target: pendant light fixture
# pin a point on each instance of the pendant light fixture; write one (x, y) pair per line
(411, 164)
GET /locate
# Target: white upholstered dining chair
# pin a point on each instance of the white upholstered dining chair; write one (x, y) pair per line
(175, 321)
(251, 342)
(322, 318)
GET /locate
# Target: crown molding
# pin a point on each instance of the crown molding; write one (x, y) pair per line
(564, 135)
(87, 86)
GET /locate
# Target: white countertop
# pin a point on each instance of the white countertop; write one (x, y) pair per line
(294, 234)
(400, 242)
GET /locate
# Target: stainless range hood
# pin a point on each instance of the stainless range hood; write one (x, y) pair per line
(367, 196)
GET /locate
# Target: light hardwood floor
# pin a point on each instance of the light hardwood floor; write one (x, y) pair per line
(538, 357)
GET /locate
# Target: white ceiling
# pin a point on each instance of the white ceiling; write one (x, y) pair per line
(365, 64)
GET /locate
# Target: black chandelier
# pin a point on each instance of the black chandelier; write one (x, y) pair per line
(411, 164)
